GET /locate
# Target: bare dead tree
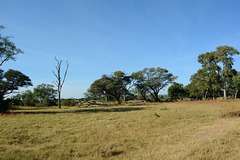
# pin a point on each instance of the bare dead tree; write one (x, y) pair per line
(59, 82)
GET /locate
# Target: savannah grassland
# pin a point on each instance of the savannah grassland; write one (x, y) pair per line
(184, 130)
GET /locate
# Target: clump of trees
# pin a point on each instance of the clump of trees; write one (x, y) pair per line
(10, 80)
(42, 95)
(177, 91)
(142, 84)
(217, 77)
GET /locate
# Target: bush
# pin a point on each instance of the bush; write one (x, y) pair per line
(69, 102)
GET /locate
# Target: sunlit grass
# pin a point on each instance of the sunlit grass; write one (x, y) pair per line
(182, 130)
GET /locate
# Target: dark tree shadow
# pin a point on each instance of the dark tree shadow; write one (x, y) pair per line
(88, 110)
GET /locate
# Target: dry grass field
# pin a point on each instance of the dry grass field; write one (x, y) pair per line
(180, 130)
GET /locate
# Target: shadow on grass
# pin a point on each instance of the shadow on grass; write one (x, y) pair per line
(89, 110)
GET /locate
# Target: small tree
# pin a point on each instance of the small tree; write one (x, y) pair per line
(176, 90)
(45, 94)
(235, 84)
(59, 82)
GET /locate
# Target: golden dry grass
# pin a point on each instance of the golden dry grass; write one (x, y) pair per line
(181, 130)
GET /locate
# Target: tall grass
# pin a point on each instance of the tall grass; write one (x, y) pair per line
(181, 130)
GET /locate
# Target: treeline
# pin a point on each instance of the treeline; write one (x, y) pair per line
(216, 78)
(145, 84)
(42, 95)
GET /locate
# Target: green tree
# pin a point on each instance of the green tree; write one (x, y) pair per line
(153, 80)
(45, 94)
(235, 84)
(28, 98)
(8, 50)
(113, 85)
(139, 83)
(17, 100)
(211, 72)
(11, 81)
(176, 90)
(224, 54)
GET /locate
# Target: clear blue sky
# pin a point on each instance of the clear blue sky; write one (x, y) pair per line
(102, 36)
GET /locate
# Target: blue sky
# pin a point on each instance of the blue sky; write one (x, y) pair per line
(102, 36)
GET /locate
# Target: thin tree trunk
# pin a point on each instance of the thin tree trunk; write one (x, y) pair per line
(203, 96)
(213, 95)
(106, 98)
(236, 92)
(225, 91)
(59, 99)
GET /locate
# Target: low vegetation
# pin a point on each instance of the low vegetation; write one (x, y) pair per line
(178, 130)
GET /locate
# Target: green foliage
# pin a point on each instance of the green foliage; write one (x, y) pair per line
(152, 80)
(234, 86)
(176, 90)
(8, 50)
(11, 81)
(17, 100)
(224, 54)
(113, 85)
(45, 94)
(69, 102)
(28, 98)
(211, 78)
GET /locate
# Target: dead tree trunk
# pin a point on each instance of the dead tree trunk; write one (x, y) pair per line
(59, 82)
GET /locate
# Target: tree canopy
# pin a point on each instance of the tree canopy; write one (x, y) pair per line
(176, 90)
(114, 85)
(152, 80)
(8, 50)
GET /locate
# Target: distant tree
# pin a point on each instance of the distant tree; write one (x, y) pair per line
(69, 102)
(224, 54)
(193, 92)
(17, 100)
(176, 90)
(139, 83)
(59, 82)
(8, 50)
(28, 98)
(153, 80)
(199, 81)
(235, 84)
(45, 94)
(113, 85)
(211, 72)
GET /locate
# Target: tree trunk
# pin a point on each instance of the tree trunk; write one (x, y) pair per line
(156, 97)
(236, 92)
(225, 91)
(205, 95)
(59, 99)
(124, 98)
(106, 98)
(213, 95)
